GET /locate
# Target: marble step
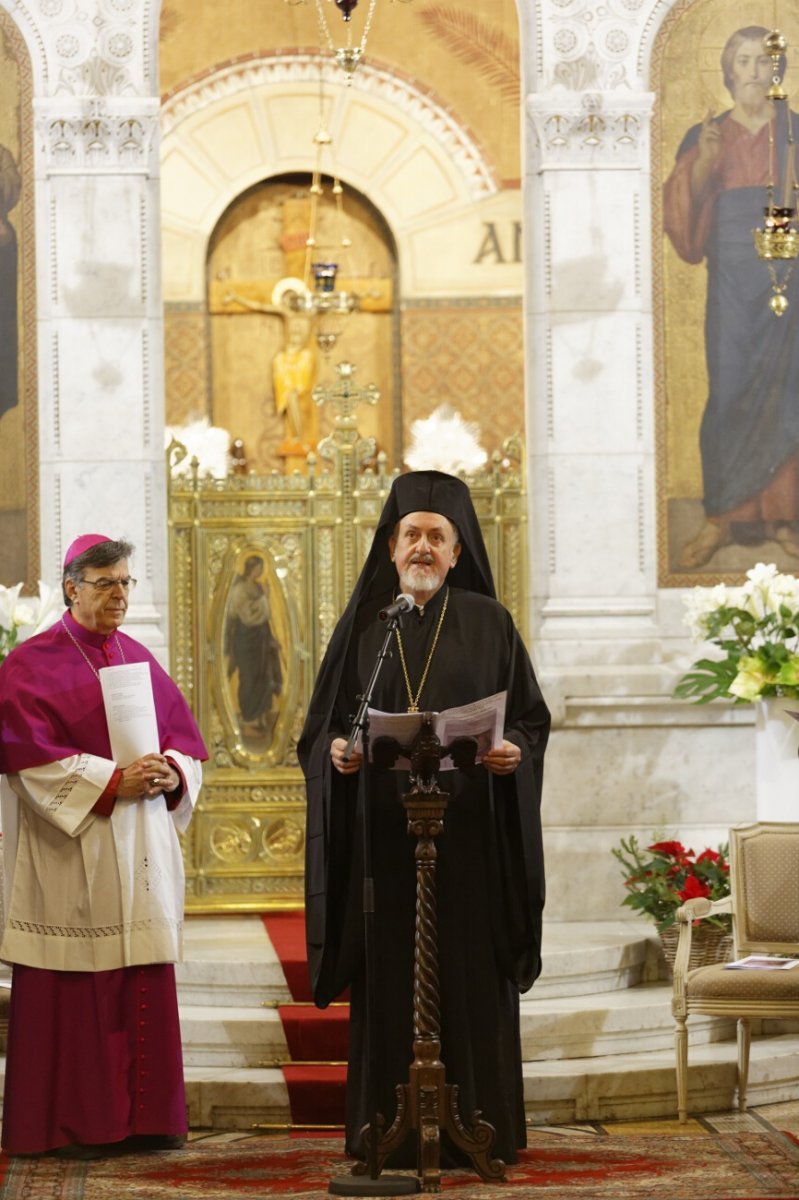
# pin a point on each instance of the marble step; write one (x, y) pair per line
(229, 960)
(636, 1086)
(618, 1087)
(638, 1020)
(586, 957)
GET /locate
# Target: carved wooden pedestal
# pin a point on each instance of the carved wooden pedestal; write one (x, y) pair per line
(427, 1103)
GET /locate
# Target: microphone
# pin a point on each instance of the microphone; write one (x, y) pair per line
(404, 603)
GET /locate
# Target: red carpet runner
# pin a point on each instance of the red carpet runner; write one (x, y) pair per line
(317, 1038)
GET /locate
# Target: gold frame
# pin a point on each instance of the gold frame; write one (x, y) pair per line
(26, 320)
(244, 850)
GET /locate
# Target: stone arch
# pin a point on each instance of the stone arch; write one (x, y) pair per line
(392, 141)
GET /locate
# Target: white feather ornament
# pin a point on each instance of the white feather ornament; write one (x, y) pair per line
(209, 444)
(445, 442)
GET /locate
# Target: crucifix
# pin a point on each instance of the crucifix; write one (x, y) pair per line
(306, 316)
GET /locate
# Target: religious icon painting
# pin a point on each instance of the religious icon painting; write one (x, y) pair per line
(727, 359)
(19, 548)
(252, 632)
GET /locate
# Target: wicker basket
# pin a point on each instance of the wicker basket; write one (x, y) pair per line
(709, 945)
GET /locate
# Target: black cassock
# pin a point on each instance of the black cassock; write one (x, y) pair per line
(490, 875)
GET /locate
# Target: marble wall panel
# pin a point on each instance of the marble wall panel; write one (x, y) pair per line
(595, 373)
(651, 776)
(99, 272)
(601, 525)
(102, 496)
(671, 609)
(591, 649)
(99, 404)
(607, 784)
(590, 217)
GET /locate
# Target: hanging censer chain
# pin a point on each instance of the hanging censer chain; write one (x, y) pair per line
(347, 56)
(413, 701)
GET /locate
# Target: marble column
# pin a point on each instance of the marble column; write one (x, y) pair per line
(99, 303)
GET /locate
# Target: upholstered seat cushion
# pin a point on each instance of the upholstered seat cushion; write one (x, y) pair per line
(718, 982)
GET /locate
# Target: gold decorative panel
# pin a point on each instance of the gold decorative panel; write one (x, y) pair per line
(261, 567)
(469, 355)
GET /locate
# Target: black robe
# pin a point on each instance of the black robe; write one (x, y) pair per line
(490, 878)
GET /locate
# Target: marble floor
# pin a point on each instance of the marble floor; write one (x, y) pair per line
(780, 1118)
(783, 1118)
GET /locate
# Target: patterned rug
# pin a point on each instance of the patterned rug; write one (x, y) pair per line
(556, 1166)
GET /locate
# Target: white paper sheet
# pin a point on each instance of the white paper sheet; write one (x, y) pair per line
(129, 711)
(483, 720)
(762, 962)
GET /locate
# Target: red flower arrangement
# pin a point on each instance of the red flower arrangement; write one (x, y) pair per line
(663, 876)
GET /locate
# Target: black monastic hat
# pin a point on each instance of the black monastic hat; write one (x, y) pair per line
(428, 491)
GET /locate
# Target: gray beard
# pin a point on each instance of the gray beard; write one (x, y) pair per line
(416, 579)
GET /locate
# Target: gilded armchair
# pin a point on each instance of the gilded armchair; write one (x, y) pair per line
(764, 902)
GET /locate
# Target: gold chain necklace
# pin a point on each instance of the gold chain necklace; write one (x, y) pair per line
(413, 701)
(78, 646)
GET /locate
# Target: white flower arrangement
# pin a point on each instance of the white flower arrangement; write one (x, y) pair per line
(22, 616)
(757, 628)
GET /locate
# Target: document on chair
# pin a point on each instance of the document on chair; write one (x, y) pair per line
(129, 711)
(483, 720)
(762, 962)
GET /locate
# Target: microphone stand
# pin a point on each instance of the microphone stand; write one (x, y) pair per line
(373, 1184)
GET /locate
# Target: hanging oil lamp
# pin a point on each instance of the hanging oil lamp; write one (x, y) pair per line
(776, 241)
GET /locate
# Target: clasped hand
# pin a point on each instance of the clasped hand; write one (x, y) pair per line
(147, 776)
(502, 760)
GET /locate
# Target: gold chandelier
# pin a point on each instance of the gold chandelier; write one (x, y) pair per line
(777, 241)
(316, 293)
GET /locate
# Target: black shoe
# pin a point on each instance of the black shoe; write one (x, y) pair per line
(155, 1141)
(77, 1151)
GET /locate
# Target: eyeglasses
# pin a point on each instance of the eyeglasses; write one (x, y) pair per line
(105, 585)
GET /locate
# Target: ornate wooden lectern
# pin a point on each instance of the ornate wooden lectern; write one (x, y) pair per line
(427, 1104)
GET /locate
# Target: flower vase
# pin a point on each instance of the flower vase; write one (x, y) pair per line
(776, 760)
